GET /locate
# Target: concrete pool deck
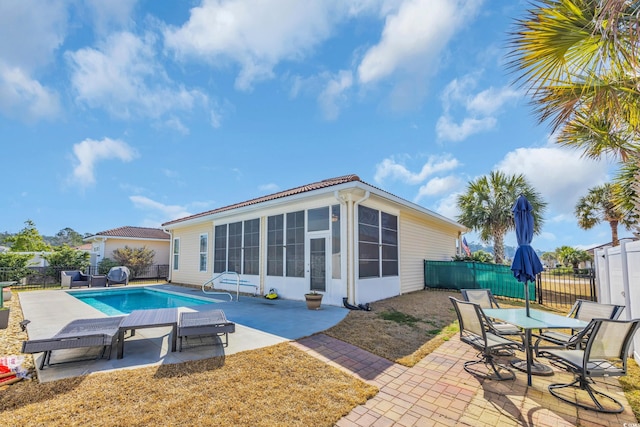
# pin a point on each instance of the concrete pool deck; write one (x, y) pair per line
(259, 323)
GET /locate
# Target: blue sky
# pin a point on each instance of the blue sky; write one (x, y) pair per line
(127, 112)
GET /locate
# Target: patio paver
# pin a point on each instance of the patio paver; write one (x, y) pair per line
(437, 391)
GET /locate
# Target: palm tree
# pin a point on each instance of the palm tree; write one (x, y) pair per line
(598, 206)
(579, 61)
(486, 207)
(572, 256)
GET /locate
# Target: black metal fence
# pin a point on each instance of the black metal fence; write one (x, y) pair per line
(49, 277)
(554, 287)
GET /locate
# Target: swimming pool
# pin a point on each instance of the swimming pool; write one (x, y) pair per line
(124, 301)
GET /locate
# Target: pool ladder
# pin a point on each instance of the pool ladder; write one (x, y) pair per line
(211, 282)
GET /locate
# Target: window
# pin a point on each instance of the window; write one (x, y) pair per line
(295, 244)
(237, 247)
(220, 249)
(377, 243)
(389, 242)
(318, 219)
(275, 236)
(204, 251)
(176, 253)
(336, 264)
(252, 246)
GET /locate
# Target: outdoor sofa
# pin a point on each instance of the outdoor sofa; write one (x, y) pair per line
(74, 279)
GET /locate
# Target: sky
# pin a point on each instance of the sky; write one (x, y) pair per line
(126, 112)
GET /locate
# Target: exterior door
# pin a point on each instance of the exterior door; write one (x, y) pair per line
(318, 271)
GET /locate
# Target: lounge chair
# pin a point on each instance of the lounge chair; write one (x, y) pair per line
(208, 322)
(100, 332)
(118, 276)
(74, 279)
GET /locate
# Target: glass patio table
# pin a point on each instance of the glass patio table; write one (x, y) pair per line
(537, 319)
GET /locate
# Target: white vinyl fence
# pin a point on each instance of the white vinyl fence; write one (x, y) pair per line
(618, 281)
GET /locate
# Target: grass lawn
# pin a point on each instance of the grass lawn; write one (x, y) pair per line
(277, 385)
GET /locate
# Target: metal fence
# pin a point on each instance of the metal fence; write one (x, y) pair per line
(554, 287)
(49, 277)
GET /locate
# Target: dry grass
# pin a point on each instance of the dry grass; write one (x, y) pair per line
(277, 385)
(402, 329)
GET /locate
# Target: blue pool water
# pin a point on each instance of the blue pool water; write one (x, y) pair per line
(124, 301)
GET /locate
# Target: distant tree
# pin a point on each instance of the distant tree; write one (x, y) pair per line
(598, 206)
(136, 259)
(550, 258)
(486, 207)
(68, 236)
(28, 239)
(67, 257)
(571, 256)
(15, 265)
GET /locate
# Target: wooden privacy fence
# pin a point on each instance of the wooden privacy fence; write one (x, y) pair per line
(554, 287)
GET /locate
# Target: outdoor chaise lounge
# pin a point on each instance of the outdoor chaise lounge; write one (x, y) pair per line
(73, 279)
(118, 275)
(100, 332)
(208, 322)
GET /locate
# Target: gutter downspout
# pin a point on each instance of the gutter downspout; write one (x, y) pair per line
(170, 278)
(351, 259)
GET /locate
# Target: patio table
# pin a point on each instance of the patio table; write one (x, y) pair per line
(537, 319)
(156, 318)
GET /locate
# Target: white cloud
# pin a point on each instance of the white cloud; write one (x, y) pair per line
(438, 186)
(269, 188)
(333, 96)
(109, 14)
(89, 152)
(414, 37)
(480, 109)
(560, 175)
(25, 98)
(124, 77)
(490, 101)
(30, 33)
(254, 34)
(448, 206)
(389, 168)
(447, 130)
(158, 210)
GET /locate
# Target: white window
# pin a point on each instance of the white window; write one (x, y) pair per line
(204, 251)
(176, 253)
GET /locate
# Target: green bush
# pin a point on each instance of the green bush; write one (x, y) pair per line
(105, 265)
(13, 266)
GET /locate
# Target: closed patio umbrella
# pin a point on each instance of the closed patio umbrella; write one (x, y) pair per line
(526, 264)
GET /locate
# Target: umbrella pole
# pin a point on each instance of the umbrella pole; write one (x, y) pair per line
(526, 296)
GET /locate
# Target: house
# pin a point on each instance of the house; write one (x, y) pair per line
(105, 242)
(340, 237)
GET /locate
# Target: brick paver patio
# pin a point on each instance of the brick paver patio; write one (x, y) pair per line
(437, 391)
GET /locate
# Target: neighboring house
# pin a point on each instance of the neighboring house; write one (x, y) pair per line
(104, 243)
(341, 237)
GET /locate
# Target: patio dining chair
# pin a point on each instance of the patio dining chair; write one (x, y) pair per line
(583, 310)
(605, 354)
(473, 331)
(485, 298)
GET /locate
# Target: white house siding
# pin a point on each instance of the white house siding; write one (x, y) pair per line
(422, 240)
(188, 271)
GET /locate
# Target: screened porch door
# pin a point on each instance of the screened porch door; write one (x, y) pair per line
(318, 271)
